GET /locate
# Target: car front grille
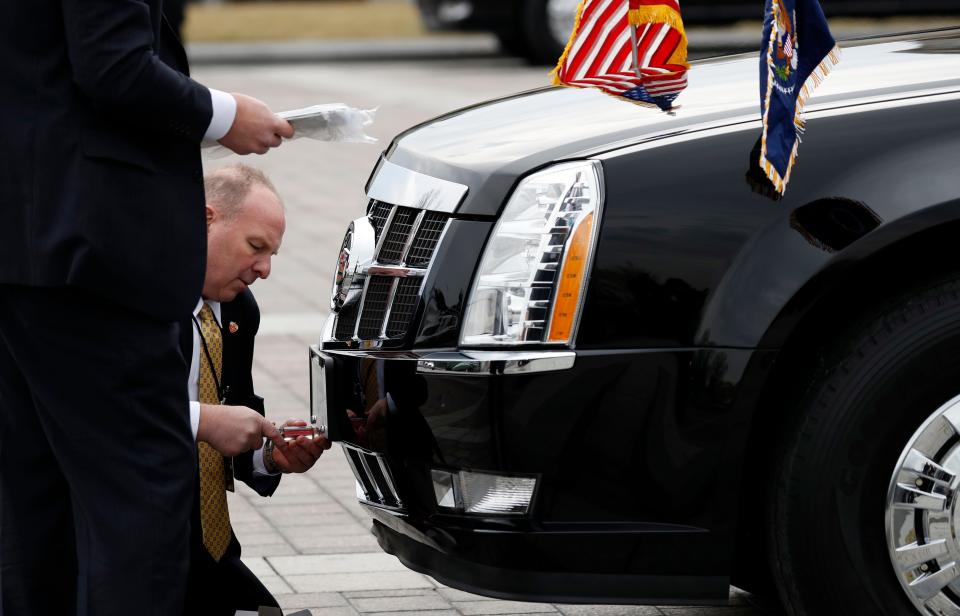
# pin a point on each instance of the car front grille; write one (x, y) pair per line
(374, 307)
(407, 239)
(427, 238)
(378, 214)
(398, 234)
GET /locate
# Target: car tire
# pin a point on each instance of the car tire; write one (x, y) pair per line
(838, 450)
(512, 42)
(543, 45)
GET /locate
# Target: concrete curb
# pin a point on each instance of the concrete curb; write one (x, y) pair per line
(426, 48)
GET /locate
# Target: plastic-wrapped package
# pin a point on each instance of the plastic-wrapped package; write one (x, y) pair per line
(335, 122)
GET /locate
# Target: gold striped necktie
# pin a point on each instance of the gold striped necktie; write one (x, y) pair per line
(214, 516)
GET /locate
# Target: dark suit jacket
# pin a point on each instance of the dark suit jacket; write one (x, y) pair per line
(216, 588)
(237, 379)
(100, 177)
(237, 368)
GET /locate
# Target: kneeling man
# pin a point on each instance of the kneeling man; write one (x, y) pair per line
(245, 226)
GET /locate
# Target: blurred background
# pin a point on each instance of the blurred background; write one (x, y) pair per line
(534, 30)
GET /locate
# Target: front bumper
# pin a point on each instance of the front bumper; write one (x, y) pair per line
(637, 456)
(554, 564)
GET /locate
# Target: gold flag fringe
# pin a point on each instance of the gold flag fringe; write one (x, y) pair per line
(555, 74)
(806, 91)
(663, 15)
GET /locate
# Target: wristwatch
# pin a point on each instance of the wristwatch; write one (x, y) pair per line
(268, 462)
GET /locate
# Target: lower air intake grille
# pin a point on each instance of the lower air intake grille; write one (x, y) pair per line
(375, 481)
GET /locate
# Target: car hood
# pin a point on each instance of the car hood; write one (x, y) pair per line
(490, 146)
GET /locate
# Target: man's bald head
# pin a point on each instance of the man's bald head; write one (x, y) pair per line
(228, 187)
(245, 225)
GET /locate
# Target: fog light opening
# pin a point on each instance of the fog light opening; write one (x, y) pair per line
(483, 493)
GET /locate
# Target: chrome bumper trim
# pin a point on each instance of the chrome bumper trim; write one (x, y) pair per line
(482, 363)
(476, 363)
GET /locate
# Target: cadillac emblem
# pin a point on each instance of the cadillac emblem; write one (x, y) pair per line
(356, 252)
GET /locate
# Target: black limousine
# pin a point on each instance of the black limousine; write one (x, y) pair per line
(576, 356)
(539, 29)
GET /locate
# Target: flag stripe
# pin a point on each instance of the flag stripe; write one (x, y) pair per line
(606, 45)
(601, 52)
(616, 19)
(589, 33)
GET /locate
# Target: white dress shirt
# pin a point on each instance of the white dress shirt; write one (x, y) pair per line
(193, 386)
(224, 113)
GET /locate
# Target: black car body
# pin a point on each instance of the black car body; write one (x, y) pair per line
(538, 29)
(643, 443)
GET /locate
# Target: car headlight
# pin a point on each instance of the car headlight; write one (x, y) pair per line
(533, 273)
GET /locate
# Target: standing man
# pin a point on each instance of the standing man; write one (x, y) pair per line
(245, 223)
(102, 248)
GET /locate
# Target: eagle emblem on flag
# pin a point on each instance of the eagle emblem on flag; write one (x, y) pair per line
(634, 49)
(798, 52)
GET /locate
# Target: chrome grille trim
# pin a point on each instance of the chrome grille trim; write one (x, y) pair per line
(390, 298)
(373, 319)
(392, 183)
(379, 487)
(385, 231)
(414, 231)
(408, 214)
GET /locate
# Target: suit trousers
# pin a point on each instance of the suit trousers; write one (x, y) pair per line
(222, 588)
(97, 458)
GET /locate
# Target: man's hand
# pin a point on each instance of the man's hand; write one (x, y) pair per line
(232, 430)
(299, 455)
(255, 128)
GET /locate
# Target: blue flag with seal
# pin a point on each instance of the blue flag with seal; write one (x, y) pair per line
(798, 53)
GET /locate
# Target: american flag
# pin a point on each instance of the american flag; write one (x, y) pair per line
(631, 48)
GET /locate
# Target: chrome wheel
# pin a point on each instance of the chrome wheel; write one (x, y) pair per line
(923, 515)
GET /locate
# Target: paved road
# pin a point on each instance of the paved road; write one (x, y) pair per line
(310, 543)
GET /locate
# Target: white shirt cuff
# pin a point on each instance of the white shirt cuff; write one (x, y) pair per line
(259, 468)
(194, 418)
(224, 112)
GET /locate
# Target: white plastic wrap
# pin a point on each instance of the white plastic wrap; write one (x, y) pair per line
(335, 122)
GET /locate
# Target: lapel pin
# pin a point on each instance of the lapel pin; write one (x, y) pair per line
(233, 327)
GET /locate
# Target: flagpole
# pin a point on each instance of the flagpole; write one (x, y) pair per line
(636, 56)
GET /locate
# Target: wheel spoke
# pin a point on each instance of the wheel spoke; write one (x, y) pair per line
(952, 415)
(910, 496)
(927, 468)
(914, 555)
(928, 586)
(941, 606)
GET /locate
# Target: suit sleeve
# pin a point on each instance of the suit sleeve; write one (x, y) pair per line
(243, 465)
(111, 47)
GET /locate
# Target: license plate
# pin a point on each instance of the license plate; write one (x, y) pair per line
(319, 410)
